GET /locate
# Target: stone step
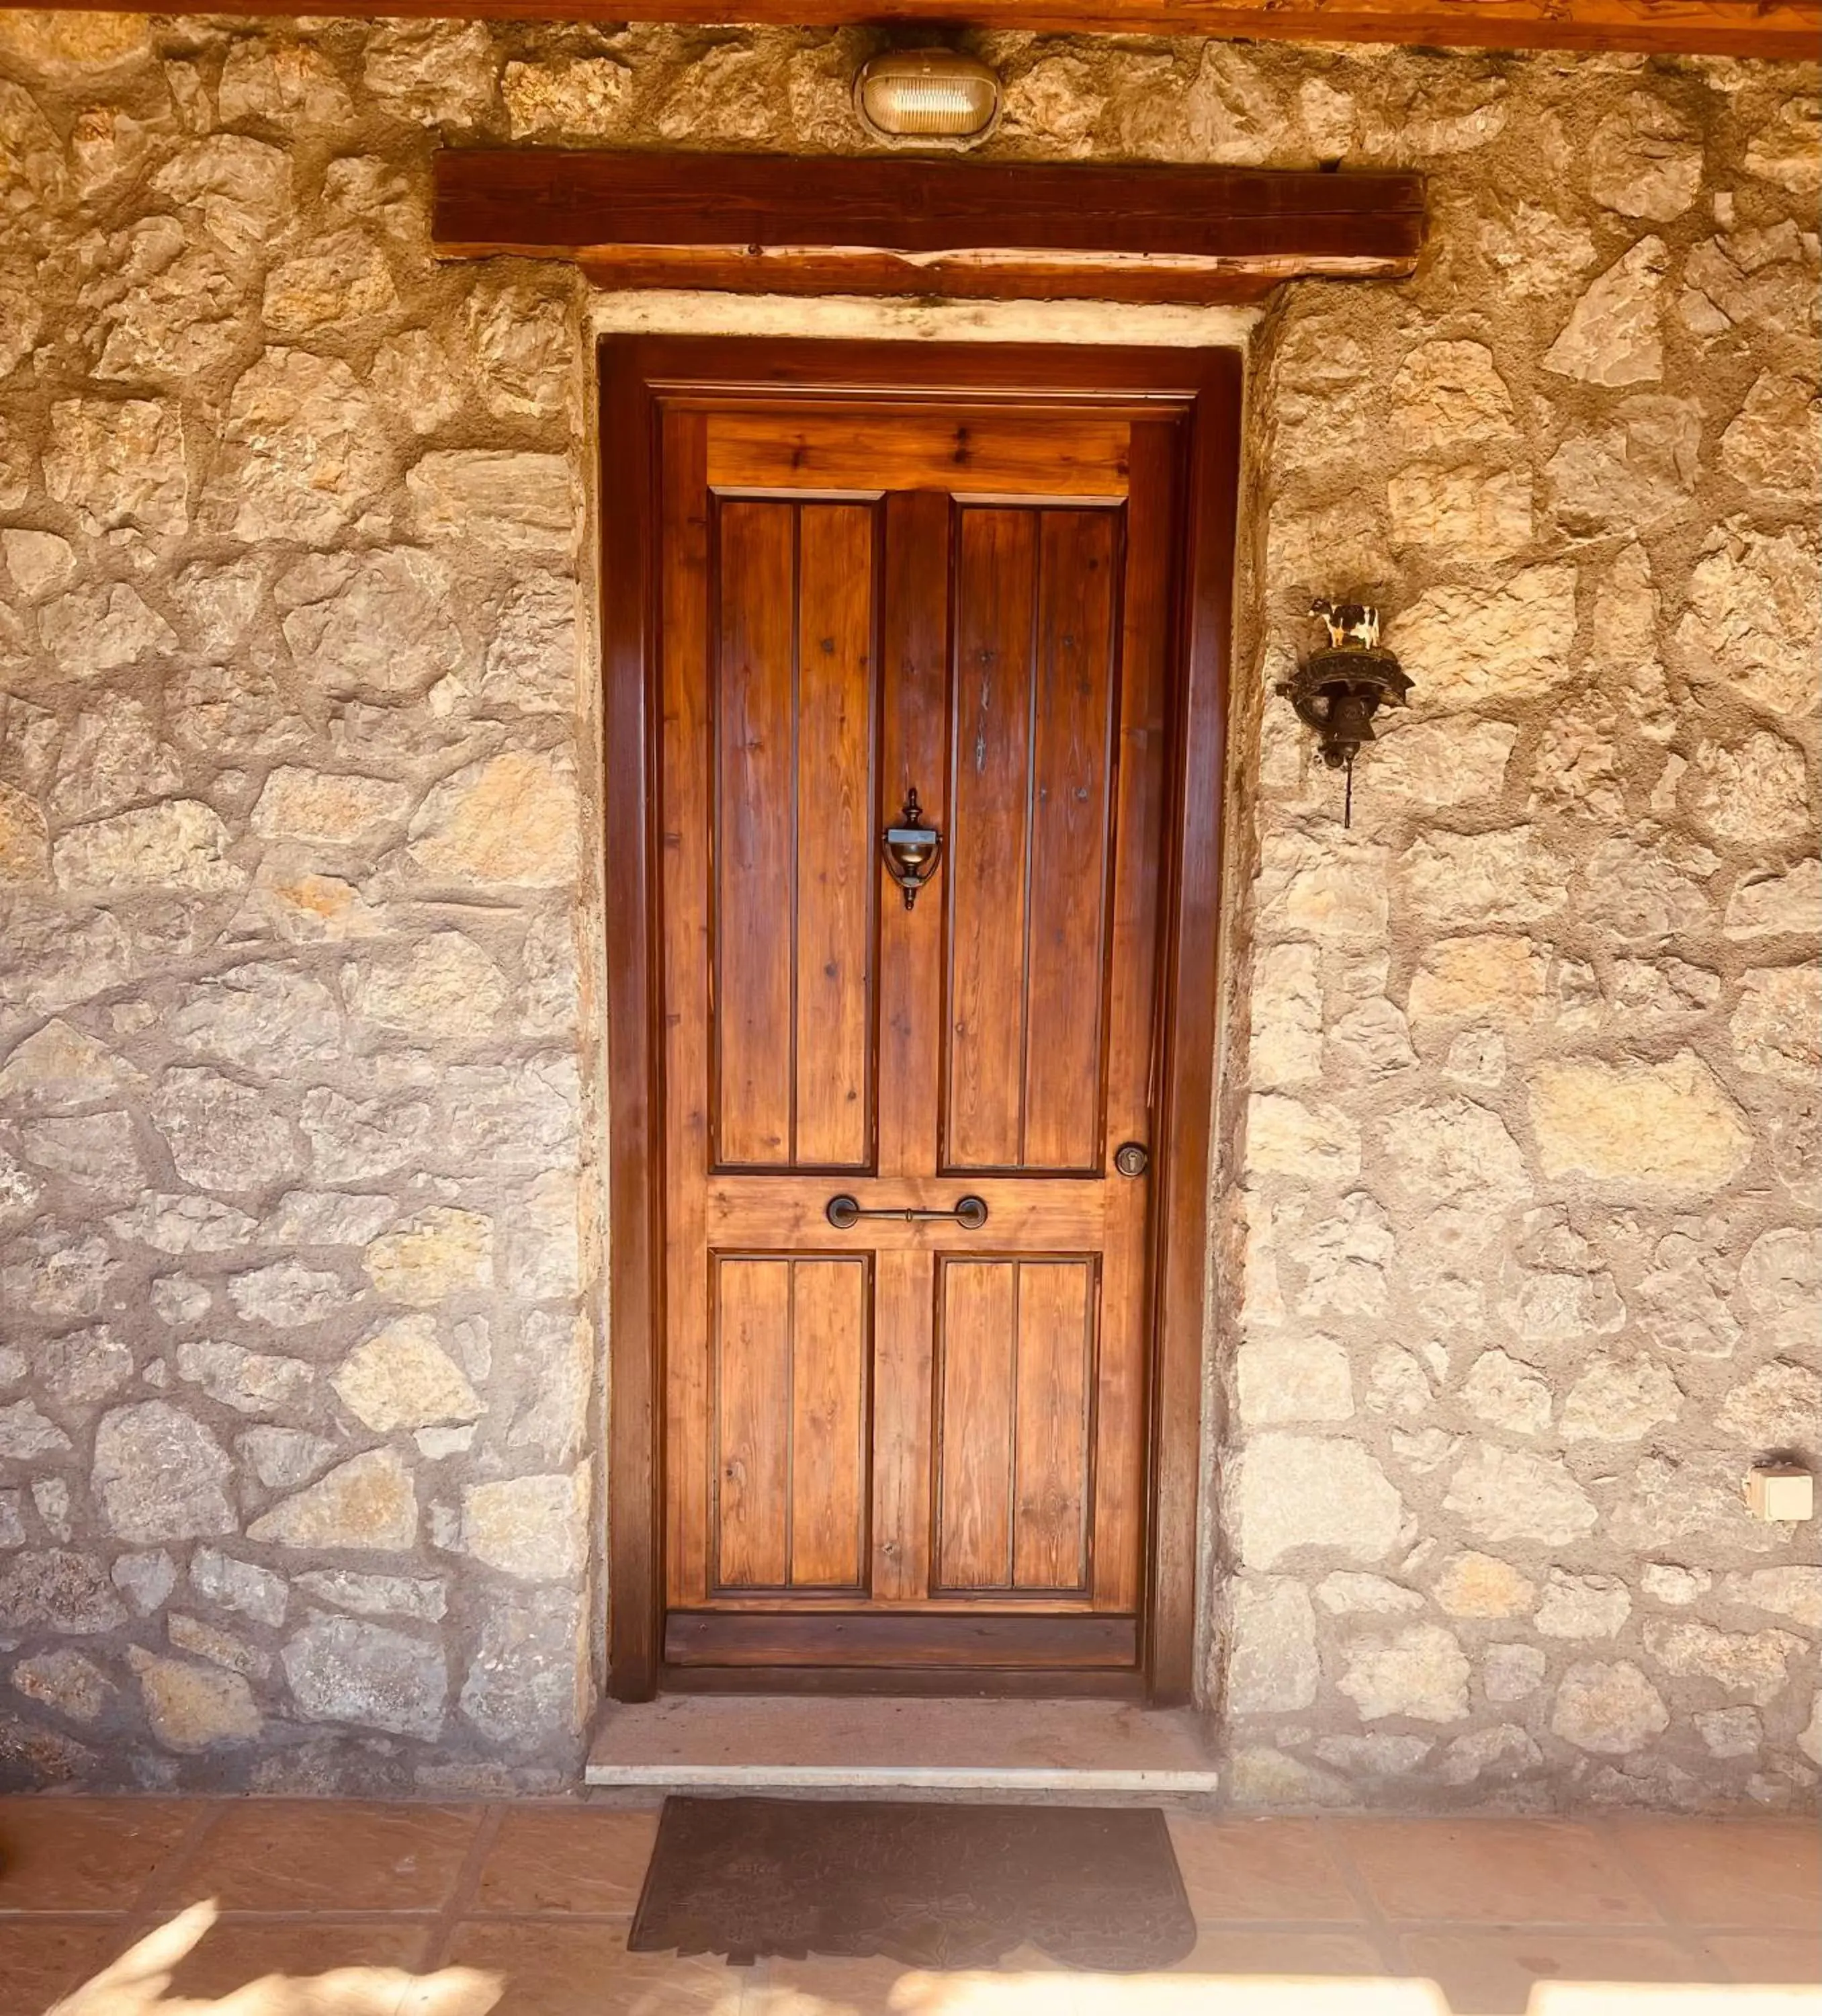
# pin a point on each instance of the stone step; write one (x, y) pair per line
(892, 1748)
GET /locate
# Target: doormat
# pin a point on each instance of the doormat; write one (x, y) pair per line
(931, 1886)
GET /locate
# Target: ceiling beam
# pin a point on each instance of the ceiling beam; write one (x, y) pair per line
(893, 225)
(1770, 28)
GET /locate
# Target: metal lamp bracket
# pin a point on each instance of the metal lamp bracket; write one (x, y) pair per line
(1338, 691)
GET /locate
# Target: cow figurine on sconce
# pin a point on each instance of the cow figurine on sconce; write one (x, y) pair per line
(1338, 690)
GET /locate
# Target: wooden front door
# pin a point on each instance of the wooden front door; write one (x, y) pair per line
(905, 1439)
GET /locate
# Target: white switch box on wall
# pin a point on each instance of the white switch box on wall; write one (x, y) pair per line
(1781, 1490)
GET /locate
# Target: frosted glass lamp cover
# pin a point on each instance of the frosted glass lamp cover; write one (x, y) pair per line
(931, 96)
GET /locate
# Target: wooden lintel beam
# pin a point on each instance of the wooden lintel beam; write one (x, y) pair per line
(1784, 29)
(893, 225)
(875, 274)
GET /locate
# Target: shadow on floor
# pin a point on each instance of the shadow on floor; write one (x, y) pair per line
(136, 1984)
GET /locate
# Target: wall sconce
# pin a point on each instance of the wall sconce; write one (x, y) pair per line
(928, 97)
(1338, 691)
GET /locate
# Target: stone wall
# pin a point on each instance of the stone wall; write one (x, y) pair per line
(1522, 1165)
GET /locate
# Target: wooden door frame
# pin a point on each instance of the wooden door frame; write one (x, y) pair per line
(1204, 385)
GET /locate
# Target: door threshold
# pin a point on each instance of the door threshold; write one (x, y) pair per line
(892, 1748)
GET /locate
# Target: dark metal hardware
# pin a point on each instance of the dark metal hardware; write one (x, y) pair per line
(1132, 1158)
(1338, 692)
(911, 849)
(844, 1210)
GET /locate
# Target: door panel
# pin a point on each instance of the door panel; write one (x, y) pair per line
(1052, 1445)
(835, 801)
(979, 1349)
(1016, 1345)
(794, 818)
(905, 1443)
(1071, 847)
(752, 1432)
(990, 827)
(755, 817)
(859, 448)
(790, 1414)
(1034, 726)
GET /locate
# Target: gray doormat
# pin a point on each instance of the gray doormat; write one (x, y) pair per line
(931, 1886)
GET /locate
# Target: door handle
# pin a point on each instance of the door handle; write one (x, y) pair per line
(842, 1212)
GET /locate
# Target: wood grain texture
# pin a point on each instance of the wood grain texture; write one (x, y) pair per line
(752, 1332)
(1031, 777)
(1768, 28)
(836, 878)
(830, 1353)
(914, 732)
(653, 218)
(977, 1354)
(685, 818)
(1134, 1048)
(869, 450)
(857, 1526)
(737, 270)
(635, 1528)
(990, 780)
(1054, 1386)
(755, 833)
(753, 1210)
(790, 1376)
(1190, 996)
(1015, 1344)
(834, 1639)
(1071, 844)
(1119, 1682)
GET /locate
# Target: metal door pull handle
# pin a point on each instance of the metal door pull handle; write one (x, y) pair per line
(844, 1210)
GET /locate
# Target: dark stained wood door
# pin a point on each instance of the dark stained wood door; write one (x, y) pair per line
(908, 1446)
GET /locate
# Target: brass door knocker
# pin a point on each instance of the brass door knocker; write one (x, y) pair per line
(911, 849)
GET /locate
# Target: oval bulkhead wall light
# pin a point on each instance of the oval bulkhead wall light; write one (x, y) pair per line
(927, 98)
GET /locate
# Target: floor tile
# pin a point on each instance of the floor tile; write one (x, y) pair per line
(42, 1958)
(230, 1955)
(1257, 1971)
(1493, 1974)
(1792, 1959)
(560, 1859)
(284, 1854)
(569, 1970)
(1496, 1872)
(1288, 1952)
(84, 1855)
(1764, 1874)
(1260, 1869)
(823, 1986)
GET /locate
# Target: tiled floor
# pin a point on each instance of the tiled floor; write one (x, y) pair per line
(1488, 1911)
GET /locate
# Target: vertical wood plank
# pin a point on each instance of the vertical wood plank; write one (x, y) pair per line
(632, 515)
(1133, 1020)
(1067, 973)
(989, 815)
(829, 1349)
(756, 810)
(903, 1469)
(1191, 996)
(753, 1324)
(1050, 1482)
(835, 843)
(913, 736)
(684, 811)
(979, 1312)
